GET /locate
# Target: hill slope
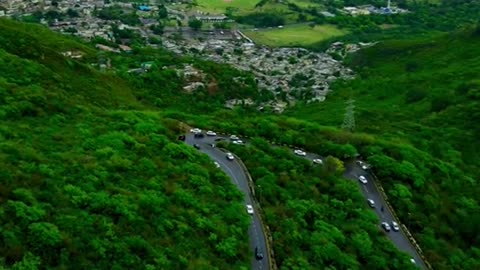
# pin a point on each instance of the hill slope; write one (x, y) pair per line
(422, 93)
(87, 183)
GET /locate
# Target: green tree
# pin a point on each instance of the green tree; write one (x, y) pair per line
(195, 24)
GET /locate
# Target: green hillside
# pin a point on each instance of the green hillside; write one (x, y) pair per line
(421, 93)
(92, 180)
(93, 177)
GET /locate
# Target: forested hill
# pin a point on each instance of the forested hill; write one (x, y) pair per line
(422, 96)
(91, 180)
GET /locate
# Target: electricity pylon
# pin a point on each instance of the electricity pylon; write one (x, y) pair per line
(349, 119)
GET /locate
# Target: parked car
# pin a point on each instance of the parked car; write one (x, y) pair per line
(412, 260)
(239, 142)
(395, 226)
(195, 130)
(181, 138)
(258, 253)
(198, 135)
(216, 164)
(230, 156)
(371, 203)
(362, 179)
(386, 226)
(234, 138)
(211, 133)
(196, 146)
(299, 152)
(318, 161)
(249, 209)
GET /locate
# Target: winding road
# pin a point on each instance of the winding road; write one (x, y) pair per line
(234, 170)
(257, 236)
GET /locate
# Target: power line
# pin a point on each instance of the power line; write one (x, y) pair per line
(349, 119)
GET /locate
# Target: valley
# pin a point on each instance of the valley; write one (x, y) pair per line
(354, 148)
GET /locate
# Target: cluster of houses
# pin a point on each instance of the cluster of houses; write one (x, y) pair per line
(11, 8)
(277, 70)
(370, 9)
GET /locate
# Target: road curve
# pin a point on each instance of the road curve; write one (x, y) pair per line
(352, 171)
(234, 170)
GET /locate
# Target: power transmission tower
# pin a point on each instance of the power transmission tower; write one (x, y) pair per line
(349, 119)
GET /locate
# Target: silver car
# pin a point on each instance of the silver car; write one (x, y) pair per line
(362, 179)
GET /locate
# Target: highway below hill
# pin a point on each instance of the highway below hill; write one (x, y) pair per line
(352, 172)
(234, 170)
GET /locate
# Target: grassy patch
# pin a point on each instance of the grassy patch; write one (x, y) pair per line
(220, 6)
(296, 35)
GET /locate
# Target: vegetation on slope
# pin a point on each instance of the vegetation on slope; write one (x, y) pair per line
(423, 96)
(318, 219)
(91, 180)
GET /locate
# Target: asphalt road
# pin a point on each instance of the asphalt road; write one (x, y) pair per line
(233, 169)
(353, 170)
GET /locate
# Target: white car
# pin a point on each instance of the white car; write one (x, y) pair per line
(386, 226)
(362, 179)
(195, 130)
(318, 161)
(412, 260)
(371, 203)
(230, 156)
(211, 133)
(216, 164)
(395, 226)
(237, 142)
(363, 165)
(249, 209)
(234, 138)
(299, 152)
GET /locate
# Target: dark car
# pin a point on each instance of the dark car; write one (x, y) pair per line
(196, 146)
(258, 253)
(199, 135)
(181, 138)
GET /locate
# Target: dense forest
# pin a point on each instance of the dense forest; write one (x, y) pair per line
(421, 95)
(92, 179)
(318, 219)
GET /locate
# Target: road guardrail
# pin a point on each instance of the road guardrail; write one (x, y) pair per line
(266, 230)
(404, 228)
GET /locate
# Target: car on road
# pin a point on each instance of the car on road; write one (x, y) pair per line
(258, 253)
(196, 146)
(386, 226)
(239, 142)
(211, 133)
(299, 152)
(363, 165)
(230, 156)
(362, 179)
(395, 226)
(318, 161)
(219, 139)
(234, 138)
(412, 260)
(216, 164)
(195, 130)
(249, 209)
(371, 203)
